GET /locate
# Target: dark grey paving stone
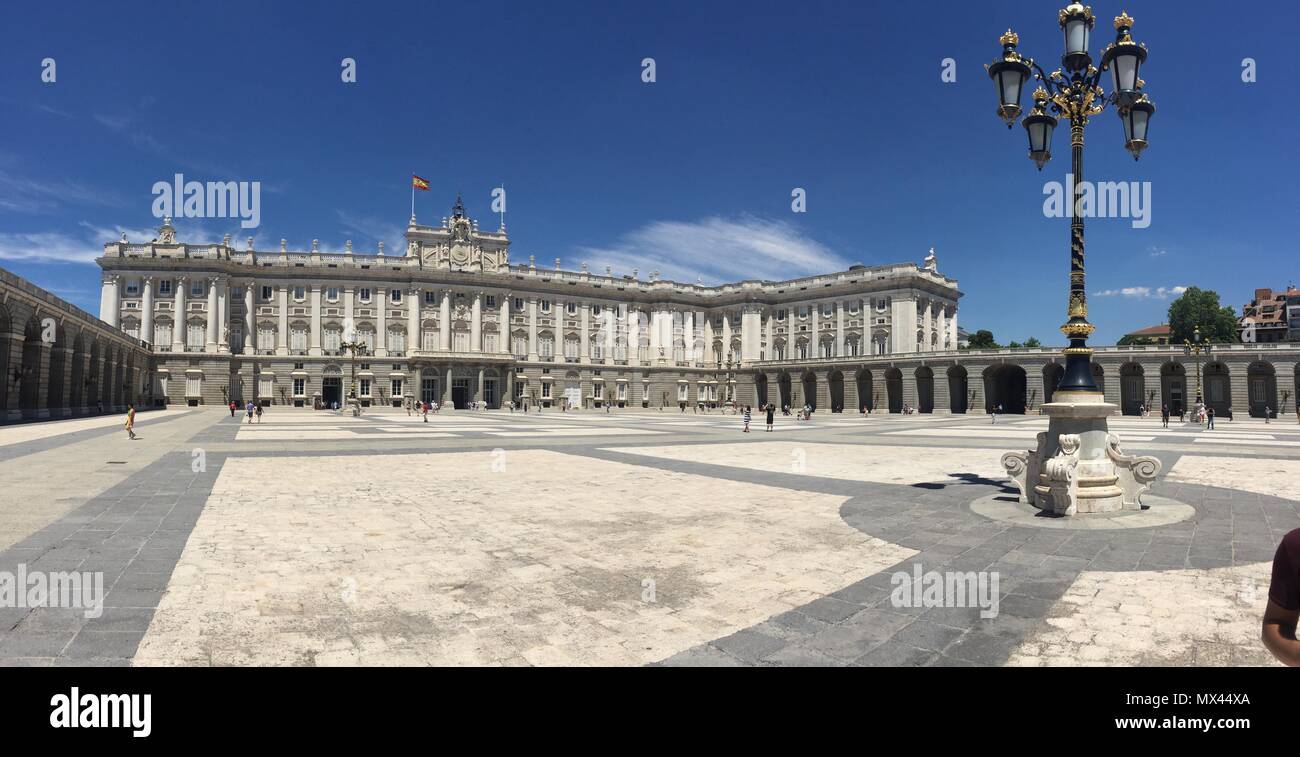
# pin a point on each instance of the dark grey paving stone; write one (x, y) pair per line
(982, 648)
(895, 656)
(748, 645)
(829, 609)
(89, 643)
(925, 634)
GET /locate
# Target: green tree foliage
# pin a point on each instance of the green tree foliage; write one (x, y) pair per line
(983, 340)
(1200, 307)
(1131, 339)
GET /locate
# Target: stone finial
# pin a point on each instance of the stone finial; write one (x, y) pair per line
(348, 245)
(226, 240)
(284, 245)
(249, 243)
(584, 267)
(381, 248)
(557, 264)
(315, 245)
(609, 272)
(634, 274)
(124, 237)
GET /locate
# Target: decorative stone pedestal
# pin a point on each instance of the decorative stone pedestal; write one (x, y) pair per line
(1078, 466)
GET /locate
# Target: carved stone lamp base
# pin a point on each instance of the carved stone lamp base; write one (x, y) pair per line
(1077, 466)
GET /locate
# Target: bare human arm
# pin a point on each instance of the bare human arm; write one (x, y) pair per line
(1279, 633)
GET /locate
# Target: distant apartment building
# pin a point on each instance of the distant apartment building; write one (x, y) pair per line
(1271, 317)
(1149, 335)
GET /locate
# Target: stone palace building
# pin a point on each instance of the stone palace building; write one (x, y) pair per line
(452, 319)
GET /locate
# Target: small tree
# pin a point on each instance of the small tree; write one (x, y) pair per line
(1200, 307)
(983, 340)
(1033, 343)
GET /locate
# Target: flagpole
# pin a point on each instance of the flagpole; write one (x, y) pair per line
(412, 196)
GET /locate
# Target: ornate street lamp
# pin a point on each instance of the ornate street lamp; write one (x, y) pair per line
(1073, 93)
(1105, 480)
(353, 348)
(1194, 347)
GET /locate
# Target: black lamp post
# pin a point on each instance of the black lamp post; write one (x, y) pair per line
(353, 348)
(1073, 93)
(1195, 347)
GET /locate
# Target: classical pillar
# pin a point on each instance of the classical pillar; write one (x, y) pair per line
(250, 329)
(223, 315)
(633, 336)
(815, 349)
(110, 301)
(944, 344)
(532, 327)
(476, 323)
(503, 325)
(952, 327)
(146, 309)
(349, 315)
(584, 335)
(479, 396)
(213, 315)
(413, 324)
(313, 346)
(444, 321)
(446, 390)
(282, 333)
(709, 357)
(180, 324)
(656, 333)
(688, 337)
(726, 334)
(381, 328)
(770, 349)
(839, 328)
(609, 324)
(751, 335)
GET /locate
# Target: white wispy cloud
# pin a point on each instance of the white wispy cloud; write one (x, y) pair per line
(21, 194)
(65, 247)
(1157, 252)
(1143, 293)
(366, 233)
(715, 249)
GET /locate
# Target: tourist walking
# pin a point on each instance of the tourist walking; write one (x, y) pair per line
(258, 410)
(1268, 413)
(232, 408)
(130, 421)
(1209, 419)
(1164, 416)
(424, 410)
(771, 415)
(249, 409)
(747, 413)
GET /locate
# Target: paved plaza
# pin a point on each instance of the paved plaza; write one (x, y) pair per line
(625, 538)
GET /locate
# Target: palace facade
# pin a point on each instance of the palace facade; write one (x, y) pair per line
(451, 319)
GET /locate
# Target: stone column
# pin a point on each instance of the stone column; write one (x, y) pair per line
(314, 340)
(584, 332)
(532, 328)
(656, 332)
(413, 324)
(609, 324)
(223, 315)
(381, 327)
(943, 328)
(633, 336)
(709, 357)
(479, 396)
(503, 326)
(726, 334)
(110, 301)
(444, 321)
(446, 390)
(250, 322)
(282, 333)
(770, 349)
(476, 323)
(349, 315)
(179, 323)
(952, 327)
(839, 328)
(146, 309)
(751, 334)
(211, 340)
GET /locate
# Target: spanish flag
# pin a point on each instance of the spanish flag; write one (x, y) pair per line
(418, 183)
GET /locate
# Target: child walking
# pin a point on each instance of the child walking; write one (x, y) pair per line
(747, 414)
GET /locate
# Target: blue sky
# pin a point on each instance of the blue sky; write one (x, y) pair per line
(691, 175)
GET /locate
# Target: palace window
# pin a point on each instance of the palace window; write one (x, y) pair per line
(622, 391)
(364, 294)
(267, 293)
(300, 387)
(489, 342)
(265, 386)
(266, 338)
(546, 306)
(333, 339)
(546, 346)
(546, 390)
(683, 392)
(571, 348)
(598, 390)
(431, 298)
(595, 309)
(133, 288)
(395, 296)
(491, 300)
(460, 341)
(519, 305)
(598, 350)
(193, 386)
(196, 288)
(365, 387)
(571, 308)
(164, 286)
(194, 337)
(396, 387)
(396, 341)
(298, 339)
(332, 294)
(429, 339)
(299, 294)
(162, 334)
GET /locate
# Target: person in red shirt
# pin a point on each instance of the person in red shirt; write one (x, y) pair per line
(1284, 602)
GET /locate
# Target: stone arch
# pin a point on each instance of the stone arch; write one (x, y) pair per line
(785, 388)
(1005, 385)
(1217, 385)
(809, 381)
(1052, 375)
(1099, 377)
(894, 389)
(29, 389)
(1132, 389)
(866, 399)
(1173, 387)
(77, 375)
(1261, 389)
(6, 347)
(835, 382)
(56, 380)
(958, 390)
(925, 389)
